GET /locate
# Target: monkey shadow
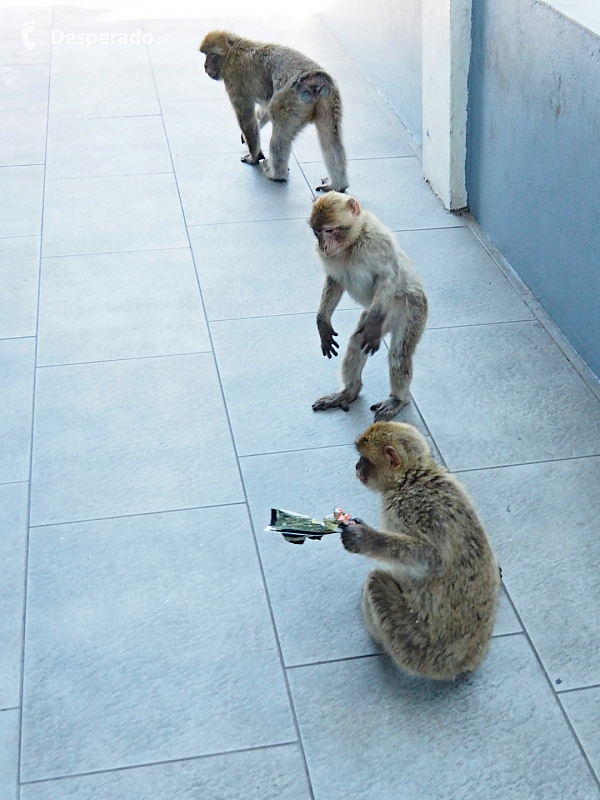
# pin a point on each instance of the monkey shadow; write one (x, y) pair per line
(422, 691)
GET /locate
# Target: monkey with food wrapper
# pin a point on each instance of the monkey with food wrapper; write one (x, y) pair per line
(295, 528)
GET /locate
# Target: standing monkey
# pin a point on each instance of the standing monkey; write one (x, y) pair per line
(434, 609)
(361, 256)
(291, 91)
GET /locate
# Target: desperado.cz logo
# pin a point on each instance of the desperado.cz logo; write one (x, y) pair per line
(26, 29)
(90, 39)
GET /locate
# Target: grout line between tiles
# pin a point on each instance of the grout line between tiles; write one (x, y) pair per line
(9, 708)
(525, 463)
(335, 660)
(118, 175)
(117, 252)
(187, 759)
(241, 478)
(34, 386)
(130, 358)
(29, 164)
(577, 689)
(138, 514)
(16, 338)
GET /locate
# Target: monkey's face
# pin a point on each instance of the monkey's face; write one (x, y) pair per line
(364, 470)
(331, 239)
(213, 66)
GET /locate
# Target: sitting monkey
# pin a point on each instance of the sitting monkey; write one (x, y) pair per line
(434, 609)
(291, 91)
(361, 256)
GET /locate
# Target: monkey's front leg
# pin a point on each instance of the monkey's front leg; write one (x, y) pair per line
(415, 555)
(251, 136)
(352, 367)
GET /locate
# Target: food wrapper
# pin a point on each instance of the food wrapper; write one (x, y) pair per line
(295, 528)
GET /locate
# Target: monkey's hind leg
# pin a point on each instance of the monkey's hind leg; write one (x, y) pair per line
(402, 347)
(352, 367)
(328, 120)
(392, 623)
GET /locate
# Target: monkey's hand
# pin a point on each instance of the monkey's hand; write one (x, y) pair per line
(355, 535)
(329, 346)
(371, 330)
(248, 159)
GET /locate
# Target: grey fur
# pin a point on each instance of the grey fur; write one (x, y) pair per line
(370, 265)
(434, 609)
(290, 90)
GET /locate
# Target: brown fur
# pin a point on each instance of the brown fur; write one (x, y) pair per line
(291, 91)
(434, 609)
(361, 256)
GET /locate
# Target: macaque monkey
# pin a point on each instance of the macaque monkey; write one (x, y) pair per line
(361, 256)
(290, 90)
(433, 610)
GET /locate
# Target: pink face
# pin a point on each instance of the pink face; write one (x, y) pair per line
(213, 66)
(331, 240)
(363, 469)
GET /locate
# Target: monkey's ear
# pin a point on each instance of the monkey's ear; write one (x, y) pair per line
(231, 39)
(392, 456)
(353, 205)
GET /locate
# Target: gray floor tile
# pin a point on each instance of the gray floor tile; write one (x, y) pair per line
(394, 189)
(16, 397)
(370, 732)
(21, 193)
(13, 544)
(251, 197)
(76, 18)
(253, 269)
(542, 519)
(24, 85)
(583, 709)
(463, 285)
(122, 305)
(9, 753)
(129, 437)
(314, 588)
(515, 398)
(116, 55)
(276, 773)
(148, 639)
(271, 412)
(104, 215)
(367, 133)
(111, 146)
(101, 93)
(506, 619)
(23, 136)
(19, 270)
(14, 16)
(186, 83)
(200, 127)
(354, 92)
(13, 36)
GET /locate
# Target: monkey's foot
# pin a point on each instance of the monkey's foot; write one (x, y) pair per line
(248, 159)
(271, 174)
(341, 400)
(388, 408)
(327, 186)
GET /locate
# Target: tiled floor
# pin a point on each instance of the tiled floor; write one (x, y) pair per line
(157, 372)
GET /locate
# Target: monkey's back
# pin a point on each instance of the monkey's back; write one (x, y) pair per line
(268, 67)
(457, 604)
